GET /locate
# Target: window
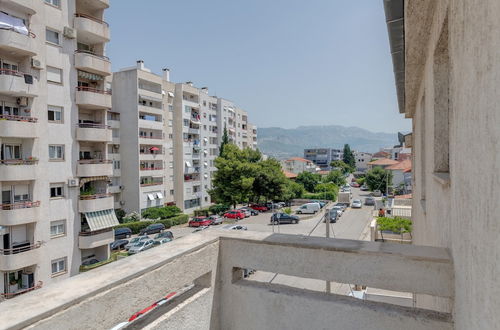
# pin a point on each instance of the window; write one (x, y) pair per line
(170, 122)
(58, 266)
(116, 164)
(56, 152)
(54, 75)
(11, 151)
(55, 114)
(171, 191)
(57, 228)
(56, 190)
(55, 3)
(170, 107)
(52, 36)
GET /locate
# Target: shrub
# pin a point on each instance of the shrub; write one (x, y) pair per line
(161, 212)
(167, 222)
(120, 214)
(219, 208)
(179, 220)
(288, 210)
(329, 195)
(131, 217)
(135, 226)
(397, 225)
(202, 213)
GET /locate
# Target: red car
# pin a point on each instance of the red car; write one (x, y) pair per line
(355, 185)
(235, 214)
(260, 208)
(200, 221)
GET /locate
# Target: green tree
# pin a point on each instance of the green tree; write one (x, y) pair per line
(269, 180)
(335, 177)
(225, 140)
(348, 157)
(378, 178)
(341, 166)
(292, 190)
(308, 180)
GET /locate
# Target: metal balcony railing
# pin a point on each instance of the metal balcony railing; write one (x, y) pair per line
(20, 205)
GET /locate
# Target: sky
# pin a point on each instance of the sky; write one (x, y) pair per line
(288, 63)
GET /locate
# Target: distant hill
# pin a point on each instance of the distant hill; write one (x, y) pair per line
(283, 143)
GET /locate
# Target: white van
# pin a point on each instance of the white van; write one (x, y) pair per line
(309, 208)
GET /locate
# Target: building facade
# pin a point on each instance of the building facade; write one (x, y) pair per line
(362, 159)
(322, 157)
(297, 165)
(56, 209)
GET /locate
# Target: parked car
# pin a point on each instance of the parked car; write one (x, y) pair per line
(364, 188)
(89, 262)
(199, 221)
(260, 208)
(339, 210)
(118, 244)
(333, 215)
(200, 228)
(123, 233)
(377, 193)
(235, 214)
(141, 246)
(152, 229)
(273, 206)
(343, 206)
(321, 204)
(252, 211)
(356, 204)
(216, 219)
(279, 218)
(247, 213)
(165, 234)
(162, 241)
(369, 201)
(355, 185)
(281, 204)
(136, 240)
(308, 208)
(234, 227)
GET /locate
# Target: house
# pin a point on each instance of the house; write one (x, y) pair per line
(362, 159)
(400, 173)
(381, 154)
(298, 165)
(383, 163)
(290, 175)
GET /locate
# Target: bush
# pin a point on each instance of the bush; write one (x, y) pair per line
(202, 213)
(219, 208)
(135, 226)
(179, 220)
(120, 214)
(161, 212)
(288, 210)
(167, 222)
(131, 217)
(397, 225)
(329, 195)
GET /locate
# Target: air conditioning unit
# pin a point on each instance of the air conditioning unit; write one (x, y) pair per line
(122, 202)
(73, 182)
(122, 187)
(22, 101)
(37, 64)
(69, 32)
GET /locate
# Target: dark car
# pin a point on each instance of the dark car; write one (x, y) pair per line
(369, 201)
(122, 233)
(118, 244)
(279, 218)
(152, 229)
(165, 234)
(332, 215)
(273, 206)
(89, 262)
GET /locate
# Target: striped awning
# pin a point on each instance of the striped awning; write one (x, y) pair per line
(93, 178)
(90, 76)
(101, 219)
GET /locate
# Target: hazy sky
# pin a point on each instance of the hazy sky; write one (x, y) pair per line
(287, 62)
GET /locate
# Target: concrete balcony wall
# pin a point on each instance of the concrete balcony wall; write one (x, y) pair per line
(93, 134)
(98, 204)
(18, 129)
(150, 156)
(17, 172)
(147, 141)
(16, 42)
(14, 85)
(25, 6)
(114, 123)
(94, 169)
(94, 30)
(19, 216)
(149, 124)
(156, 172)
(93, 63)
(93, 100)
(96, 240)
(221, 299)
(19, 260)
(151, 110)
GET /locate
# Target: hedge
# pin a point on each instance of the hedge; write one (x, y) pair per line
(202, 213)
(114, 257)
(165, 212)
(136, 226)
(219, 208)
(330, 195)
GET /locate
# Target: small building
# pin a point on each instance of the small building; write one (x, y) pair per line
(381, 154)
(290, 175)
(383, 163)
(298, 165)
(400, 173)
(362, 159)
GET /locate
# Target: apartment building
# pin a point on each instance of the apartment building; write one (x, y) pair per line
(56, 210)
(322, 157)
(252, 136)
(297, 165)
(362, 159)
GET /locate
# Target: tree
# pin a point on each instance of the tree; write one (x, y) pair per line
(341, 166)
(308, 180)
(348, 157)
(378, 178)
(225, 140)
(335, 177)
(269, 180)
(292, 190)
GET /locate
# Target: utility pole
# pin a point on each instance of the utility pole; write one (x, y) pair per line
(327, 223)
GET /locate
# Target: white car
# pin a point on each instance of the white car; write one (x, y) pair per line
(234, 227)
(216, 219)
(136, 240)
(141, 246)
(339, 210)
(356, 204)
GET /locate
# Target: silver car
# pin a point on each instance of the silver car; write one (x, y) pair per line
(141, 246)
(356, 204)
(136, 240)
(247, 212)
(216, 219)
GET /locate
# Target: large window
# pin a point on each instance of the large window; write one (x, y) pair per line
(52, 36)
(56, 190)
(54, 75)
(58, 266)
(57, 228)
(55, 114)
(56, 152)
(10, 151)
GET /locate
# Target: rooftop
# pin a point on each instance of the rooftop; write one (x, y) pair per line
(383, 161)
(299, 159)
(402, 165)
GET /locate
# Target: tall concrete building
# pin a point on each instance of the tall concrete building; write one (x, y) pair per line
(322, 157)
(56, 210)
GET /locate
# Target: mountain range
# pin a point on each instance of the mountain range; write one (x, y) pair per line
(283, 143)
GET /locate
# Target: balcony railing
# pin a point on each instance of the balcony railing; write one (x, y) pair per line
(151, 168)
(88, 125)
(19, 118)
(20, 205)
(96, 232)
(9, 295)
(94, 196)
(92, 19)
(152, 183)
(150, 137)
(102, 57)
(21, 249)
(29, 161)
(94, 161)
(93, 90)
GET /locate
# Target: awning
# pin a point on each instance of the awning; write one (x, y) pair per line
(154, 149)
(205, 139)
(170, 94)
(151, 197)
(93, 178)
(188, 164)
(159, 195)
(101, 219)
(205, 151)
(149, 98)
(206, 176)
(90, 76)
(205, 163)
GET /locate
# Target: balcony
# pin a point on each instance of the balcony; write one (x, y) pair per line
(157, 155)
(94, 167)
(96, 202)
(18, 169)
(24, 6)
(93, 133)
(93, 239)
(91, 29)
(150, 171)
(17, 43)
(90, 62)
(19, 213)
(14, 83)
(18, 126)
(151, 182)
(18, 258)
(95, 4)
(151, 124)
(206, 271)
(92, 98)
(147, 140)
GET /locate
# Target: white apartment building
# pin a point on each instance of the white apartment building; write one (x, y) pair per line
(297, 165)
(146, 131)
(362, 159)
(56, 210)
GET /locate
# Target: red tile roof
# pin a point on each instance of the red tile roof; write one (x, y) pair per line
(407, 196)
(381, 154)
(289, 175)
(324, 172)
(402, 165)
(300, 159)
(383, 161)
